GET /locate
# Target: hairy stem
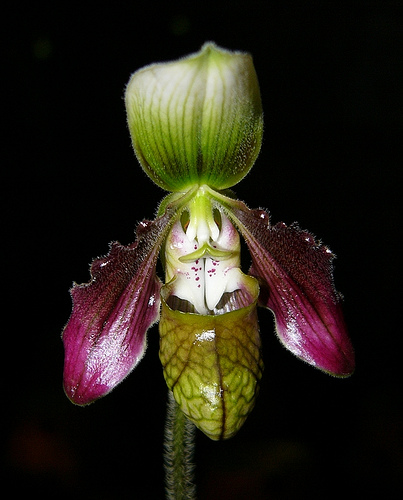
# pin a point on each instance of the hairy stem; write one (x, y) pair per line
(178, 457)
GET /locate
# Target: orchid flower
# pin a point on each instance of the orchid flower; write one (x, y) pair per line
(196, 126)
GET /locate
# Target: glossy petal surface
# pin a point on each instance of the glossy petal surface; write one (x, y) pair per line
(296, 277)
(105, 336)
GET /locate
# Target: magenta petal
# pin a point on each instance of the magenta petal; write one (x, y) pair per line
(105, 337)
(296, 276)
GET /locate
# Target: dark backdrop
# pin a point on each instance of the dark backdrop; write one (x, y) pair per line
(331, 87)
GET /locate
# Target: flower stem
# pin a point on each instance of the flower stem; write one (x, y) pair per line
(179, 447)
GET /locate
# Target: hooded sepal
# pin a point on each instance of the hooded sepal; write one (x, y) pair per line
(296, 277)
(105, 336)
(197, 120)
(212, 363)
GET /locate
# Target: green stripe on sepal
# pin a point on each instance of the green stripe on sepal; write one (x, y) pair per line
(197, 120)
(212, 363)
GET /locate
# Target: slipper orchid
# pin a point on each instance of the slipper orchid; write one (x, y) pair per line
(196, 126)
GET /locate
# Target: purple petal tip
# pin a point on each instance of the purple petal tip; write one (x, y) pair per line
(296, 277)
(105, 337)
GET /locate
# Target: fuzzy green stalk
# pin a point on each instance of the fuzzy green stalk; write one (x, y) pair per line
(178, 456)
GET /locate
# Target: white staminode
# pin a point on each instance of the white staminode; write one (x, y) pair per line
(203, 259)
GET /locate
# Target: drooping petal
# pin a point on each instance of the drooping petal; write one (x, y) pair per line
(296, 276)
(105, 337)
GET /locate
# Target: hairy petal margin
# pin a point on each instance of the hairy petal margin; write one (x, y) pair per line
(296, 277)
(105, 337)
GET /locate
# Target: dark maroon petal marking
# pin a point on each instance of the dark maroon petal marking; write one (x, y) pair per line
(105, 337)
(296, 277)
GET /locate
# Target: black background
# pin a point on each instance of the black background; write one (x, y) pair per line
(331, 82)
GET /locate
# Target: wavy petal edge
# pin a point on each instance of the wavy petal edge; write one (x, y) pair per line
(295, 273)
(105, 337)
